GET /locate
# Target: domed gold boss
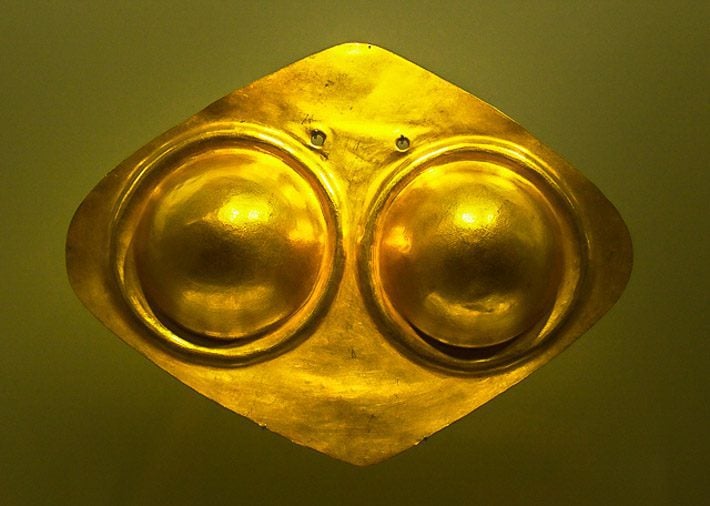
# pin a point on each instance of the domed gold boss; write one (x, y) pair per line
(351, 252)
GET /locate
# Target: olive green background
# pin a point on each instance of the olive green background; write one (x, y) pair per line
(618, 88)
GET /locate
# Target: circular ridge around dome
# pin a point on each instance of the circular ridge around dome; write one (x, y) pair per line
(471, 256)
(228, 243)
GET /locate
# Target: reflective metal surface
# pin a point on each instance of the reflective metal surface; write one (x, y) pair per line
(351, 252)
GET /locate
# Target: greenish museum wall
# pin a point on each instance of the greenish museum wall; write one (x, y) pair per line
(619, 88)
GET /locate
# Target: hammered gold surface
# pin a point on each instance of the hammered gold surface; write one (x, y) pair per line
(351, 252)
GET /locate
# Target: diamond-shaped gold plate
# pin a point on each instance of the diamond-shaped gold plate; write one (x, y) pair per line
(351, 252)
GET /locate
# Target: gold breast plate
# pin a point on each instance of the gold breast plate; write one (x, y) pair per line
(351, 252)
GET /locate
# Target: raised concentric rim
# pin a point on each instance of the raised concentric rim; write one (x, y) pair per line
(128, 213)
(427, 349)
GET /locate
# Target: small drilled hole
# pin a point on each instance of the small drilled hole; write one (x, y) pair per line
(317, 138)
(402, 143)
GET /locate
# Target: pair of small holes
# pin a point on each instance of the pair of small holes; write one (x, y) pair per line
(318, 137)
